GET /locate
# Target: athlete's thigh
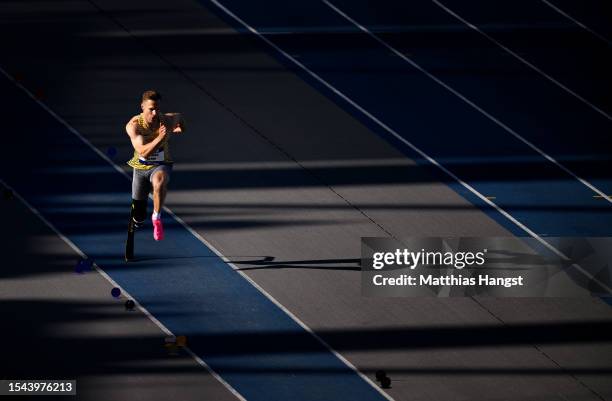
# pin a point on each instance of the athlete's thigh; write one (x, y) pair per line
(161, 175)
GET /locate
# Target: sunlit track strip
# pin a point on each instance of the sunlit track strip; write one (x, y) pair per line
(575, 21)
(408, 143)
(522, 60)
(243, 274)
(153, 319)
(467, 101)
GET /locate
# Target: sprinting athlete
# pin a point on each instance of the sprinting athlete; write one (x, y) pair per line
(149, 132)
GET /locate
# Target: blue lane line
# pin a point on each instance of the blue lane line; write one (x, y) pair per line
(546, 199)
(257, 348)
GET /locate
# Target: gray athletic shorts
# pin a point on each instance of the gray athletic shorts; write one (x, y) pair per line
(141, 180)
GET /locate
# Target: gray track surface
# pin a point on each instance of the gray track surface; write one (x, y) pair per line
(284, 183)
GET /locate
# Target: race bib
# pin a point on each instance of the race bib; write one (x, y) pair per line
(156, 156)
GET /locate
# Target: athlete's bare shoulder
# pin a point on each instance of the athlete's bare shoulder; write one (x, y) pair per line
(132, 126)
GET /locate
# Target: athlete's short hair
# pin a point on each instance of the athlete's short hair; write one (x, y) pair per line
(151, 95)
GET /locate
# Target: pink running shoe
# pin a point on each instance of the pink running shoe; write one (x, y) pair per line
(158, 230)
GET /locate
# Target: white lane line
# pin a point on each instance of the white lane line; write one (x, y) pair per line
(82, 254)
(205, 242)
(521, 59)
(408, 143)
(466, 100)
(575, 21)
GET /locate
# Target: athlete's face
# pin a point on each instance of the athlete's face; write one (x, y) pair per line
(150, 110)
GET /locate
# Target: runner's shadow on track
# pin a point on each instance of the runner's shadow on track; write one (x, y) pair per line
(322, 264)
(267, 262)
